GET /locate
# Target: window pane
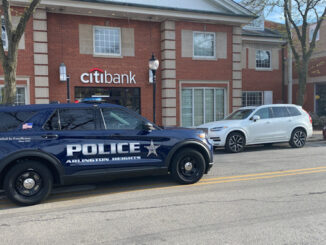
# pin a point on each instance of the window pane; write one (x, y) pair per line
(209, 105)
(204, 44)
(280, 112)
(263, 59)
(77, 119)
(107, 40)
(198, 106)
(53, 122)
(263, 113)
(11, 120)
(128, 97)
(20, 95)
(252, 98)
(219, 97)
(187, 108)
(4, 34)
(119, 119)
(293, 111)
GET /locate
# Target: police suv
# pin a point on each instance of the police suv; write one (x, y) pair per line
(60, 144)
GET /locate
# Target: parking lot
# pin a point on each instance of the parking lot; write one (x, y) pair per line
(265, 195)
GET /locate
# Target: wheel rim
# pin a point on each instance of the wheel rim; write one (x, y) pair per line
(236, 143)
(299, 138)
(189, 168)
(28, 183)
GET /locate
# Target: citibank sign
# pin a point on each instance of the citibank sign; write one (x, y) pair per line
(97, 75)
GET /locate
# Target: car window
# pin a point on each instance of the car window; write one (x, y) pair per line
(11, 120)
(72, 119)
(120, 119)
(53, 122)
(293, 111)
(280, 112)
(240, 114)
(263, 113)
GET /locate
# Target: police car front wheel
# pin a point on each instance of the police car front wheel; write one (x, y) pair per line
(28, 183)
(188, 166)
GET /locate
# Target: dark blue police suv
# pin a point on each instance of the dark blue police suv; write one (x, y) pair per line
(60, 144)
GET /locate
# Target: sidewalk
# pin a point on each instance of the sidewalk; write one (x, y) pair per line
(316, 136)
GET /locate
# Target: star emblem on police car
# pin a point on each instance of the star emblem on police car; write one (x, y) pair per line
(152, 149)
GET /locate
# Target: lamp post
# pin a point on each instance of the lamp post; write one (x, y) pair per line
(65, 78)
(153, 65)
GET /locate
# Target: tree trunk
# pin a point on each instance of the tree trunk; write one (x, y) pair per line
(302, 72)
(9, 92)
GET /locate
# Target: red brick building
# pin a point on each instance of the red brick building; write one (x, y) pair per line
(209, 66)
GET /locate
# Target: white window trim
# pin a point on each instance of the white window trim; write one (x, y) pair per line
(5, 47)
(262, 96)
(107, 54)
(193, 46)
(270, 62)
(226, 97)
(26, 86)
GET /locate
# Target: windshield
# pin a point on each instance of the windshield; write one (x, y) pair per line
(240, 114)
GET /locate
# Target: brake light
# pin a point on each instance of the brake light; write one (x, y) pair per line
(310, 119)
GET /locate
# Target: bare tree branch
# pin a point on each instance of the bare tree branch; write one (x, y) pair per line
(313, 40)
(24, 19)
(289, 34)
(288, 16)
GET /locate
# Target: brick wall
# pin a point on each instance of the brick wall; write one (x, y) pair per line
(189, 69)
(64, 47)
(264, 80)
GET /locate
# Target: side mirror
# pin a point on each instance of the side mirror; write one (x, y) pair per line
(148, 126)
(255, 118)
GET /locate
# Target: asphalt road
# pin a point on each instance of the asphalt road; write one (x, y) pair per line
(274, 195)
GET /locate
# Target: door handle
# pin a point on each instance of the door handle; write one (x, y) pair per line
(50, 136)
(268, 122)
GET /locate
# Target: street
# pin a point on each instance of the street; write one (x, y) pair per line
(265, 195)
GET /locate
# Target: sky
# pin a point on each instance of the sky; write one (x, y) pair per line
(276, 14)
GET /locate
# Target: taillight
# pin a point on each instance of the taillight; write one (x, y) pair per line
(310, 119)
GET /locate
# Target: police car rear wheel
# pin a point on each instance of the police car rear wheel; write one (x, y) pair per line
(28, 183)
(188, 166)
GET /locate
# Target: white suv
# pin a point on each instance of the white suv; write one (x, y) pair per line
(261, 125)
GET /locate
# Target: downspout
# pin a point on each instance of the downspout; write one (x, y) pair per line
(283, 73)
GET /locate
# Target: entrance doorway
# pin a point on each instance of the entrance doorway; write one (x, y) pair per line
(321, 99)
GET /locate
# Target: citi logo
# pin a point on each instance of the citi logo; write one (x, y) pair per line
(97, 75)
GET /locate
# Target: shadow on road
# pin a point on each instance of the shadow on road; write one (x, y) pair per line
(269, 147)
(97, 189)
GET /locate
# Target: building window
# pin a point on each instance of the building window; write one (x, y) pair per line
(202, 106)
(107, 41)
(311, 32)
(263, 59)
(250, 98)
(4, 36)
(204, 45)
(20, 95)
(128, 97)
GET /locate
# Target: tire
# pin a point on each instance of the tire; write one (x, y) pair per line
(191, 159)
(235, 142)
(28, 183)
(298, 138)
